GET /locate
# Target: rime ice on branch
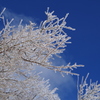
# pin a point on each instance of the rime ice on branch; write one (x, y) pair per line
(88, 91)
(35, 45)
(22, 48)
(17, 79)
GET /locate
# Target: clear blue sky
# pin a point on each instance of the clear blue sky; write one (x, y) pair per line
(84, 15)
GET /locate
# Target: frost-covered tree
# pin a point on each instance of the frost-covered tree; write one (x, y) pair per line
(22, 48)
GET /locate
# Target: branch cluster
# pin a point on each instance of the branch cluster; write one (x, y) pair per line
(21, 48)
(89, 91)
(31, 44)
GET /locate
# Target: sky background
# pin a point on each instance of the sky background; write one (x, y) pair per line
(85, 47)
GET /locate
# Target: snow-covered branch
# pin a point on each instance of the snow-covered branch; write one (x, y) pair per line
(89, 91)
(35, 44)
(21, 48)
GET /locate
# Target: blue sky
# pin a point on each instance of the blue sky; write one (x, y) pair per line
(85, 47)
